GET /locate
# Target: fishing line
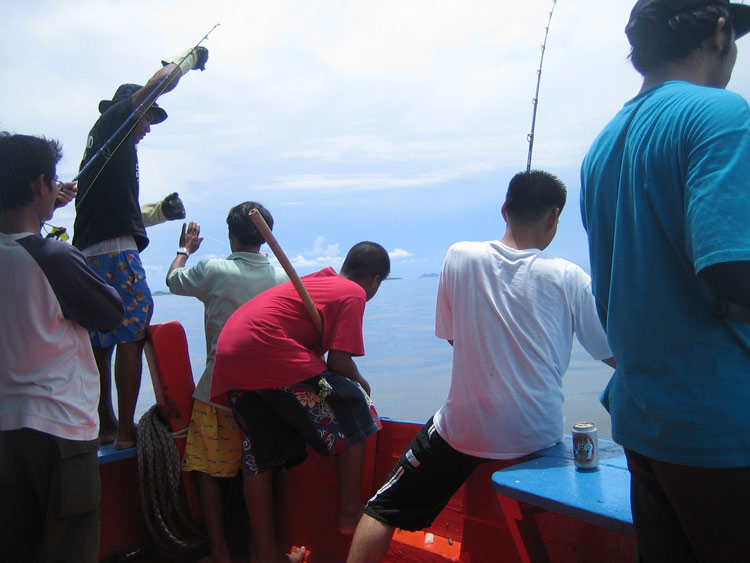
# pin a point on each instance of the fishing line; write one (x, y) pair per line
(105, 151)
(221, 242)
(535, 100)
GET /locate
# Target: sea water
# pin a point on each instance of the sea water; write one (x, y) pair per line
(408, 368)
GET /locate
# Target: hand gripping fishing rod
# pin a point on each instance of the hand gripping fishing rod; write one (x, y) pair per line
(535, 101)
(105, 151)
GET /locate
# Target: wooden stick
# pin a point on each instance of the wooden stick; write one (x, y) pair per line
(307, 301)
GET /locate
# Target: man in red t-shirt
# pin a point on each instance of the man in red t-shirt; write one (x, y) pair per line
(270, 368)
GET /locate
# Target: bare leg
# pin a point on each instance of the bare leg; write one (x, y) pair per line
(371, 541)
(350, 465)
(128, 365)
(107, 419)
(209, 491)
(259, 500)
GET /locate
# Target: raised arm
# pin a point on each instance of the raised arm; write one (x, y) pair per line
(170, 208)
(190, 241)
(195, 60)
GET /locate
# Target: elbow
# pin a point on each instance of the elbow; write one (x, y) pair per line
(114, 317)
(112, 314)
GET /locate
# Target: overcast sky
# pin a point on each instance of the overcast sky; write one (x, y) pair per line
(399, 121)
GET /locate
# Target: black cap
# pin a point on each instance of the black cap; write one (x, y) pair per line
(126, 90)
(654, 13)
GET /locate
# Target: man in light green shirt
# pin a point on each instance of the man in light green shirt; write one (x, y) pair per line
(213, 448)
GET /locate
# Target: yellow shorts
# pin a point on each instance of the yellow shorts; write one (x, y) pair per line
(214, 443)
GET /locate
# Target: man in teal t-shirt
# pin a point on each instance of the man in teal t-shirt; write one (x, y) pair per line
(665, 200)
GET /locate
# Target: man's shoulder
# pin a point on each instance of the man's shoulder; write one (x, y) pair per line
(469, 248)
(684, 101)
(571, 269)
(50, 249)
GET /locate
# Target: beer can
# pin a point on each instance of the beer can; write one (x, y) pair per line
(585, 445)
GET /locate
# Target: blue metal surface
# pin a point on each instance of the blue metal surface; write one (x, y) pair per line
(551, 481)
(108, 453)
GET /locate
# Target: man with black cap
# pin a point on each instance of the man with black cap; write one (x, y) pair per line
(109, 230)
(665, 199)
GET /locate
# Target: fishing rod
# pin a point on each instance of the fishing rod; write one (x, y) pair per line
(535, 101)
(281, 256)
(137, 114)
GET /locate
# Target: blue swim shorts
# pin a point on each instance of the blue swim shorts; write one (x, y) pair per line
(124, 272)
(328, 411)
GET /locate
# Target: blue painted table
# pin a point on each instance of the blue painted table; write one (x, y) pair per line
(549, 481)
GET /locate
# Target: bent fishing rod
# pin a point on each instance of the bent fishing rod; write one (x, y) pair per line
(105, 151)
(137, 114)
(535, 100)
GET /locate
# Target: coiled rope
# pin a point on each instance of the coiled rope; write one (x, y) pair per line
(159, 471)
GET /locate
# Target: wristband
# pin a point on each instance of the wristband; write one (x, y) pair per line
(183, 250)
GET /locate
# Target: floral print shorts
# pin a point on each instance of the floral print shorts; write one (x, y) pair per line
(329, 412)
(124, 272)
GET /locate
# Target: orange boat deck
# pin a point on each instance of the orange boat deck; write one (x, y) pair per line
(471, 528)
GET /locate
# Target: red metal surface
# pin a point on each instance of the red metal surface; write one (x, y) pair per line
(122, 529)
(169, 363)
(471, 528)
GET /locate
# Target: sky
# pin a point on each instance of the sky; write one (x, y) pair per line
(399, 122)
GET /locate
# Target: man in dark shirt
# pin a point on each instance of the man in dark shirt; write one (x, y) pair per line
(109, 230)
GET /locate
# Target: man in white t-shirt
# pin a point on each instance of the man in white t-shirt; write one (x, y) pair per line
(510, 311)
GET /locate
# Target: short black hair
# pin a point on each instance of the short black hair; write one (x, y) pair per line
(366, 260)
(654, 41)
(23, 158)
(241, 226)
(533, 194)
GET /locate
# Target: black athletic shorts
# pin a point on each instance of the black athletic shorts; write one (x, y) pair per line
(424, 479)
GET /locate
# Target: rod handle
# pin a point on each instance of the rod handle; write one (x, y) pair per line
(307, 301)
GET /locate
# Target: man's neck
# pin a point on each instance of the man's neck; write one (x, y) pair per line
(243, 248)
(522, 238)
(694, 68)
(19, 221)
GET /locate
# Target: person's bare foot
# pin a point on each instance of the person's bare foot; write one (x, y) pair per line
(107, 430)
(124, 444)
(125, 437)
(107, 437)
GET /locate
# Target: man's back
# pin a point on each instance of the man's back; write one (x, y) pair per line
(50, 382)
(223, 285)
(511, 315)
(661, 190)
(274, 335)
(107, 201)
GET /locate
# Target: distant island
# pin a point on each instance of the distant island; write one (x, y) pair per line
(160, 292)
(430, 276)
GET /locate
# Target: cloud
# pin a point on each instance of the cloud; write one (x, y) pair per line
(363, 182)
(319, 255)
(399, 253)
